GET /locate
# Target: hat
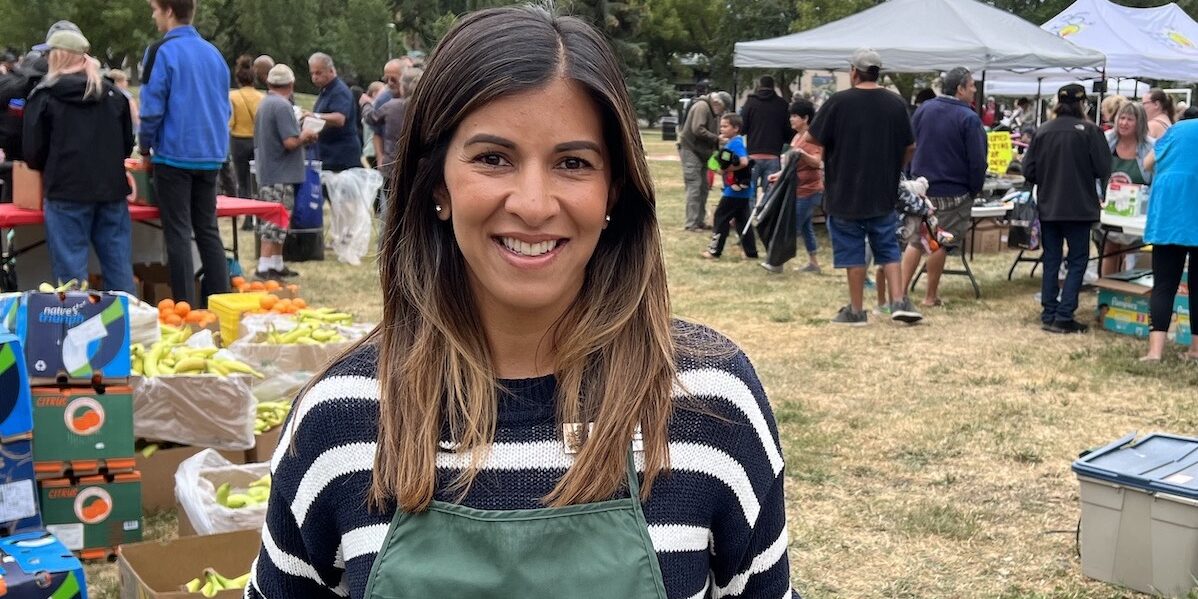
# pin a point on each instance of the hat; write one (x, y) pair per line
(280, 74)
(1071, 93)
(866, 58)
(55, 28)
(723, 98)
(71, 41)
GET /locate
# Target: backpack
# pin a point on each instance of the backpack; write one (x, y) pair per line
(1025, 222)
(14, 86)
(687, 112)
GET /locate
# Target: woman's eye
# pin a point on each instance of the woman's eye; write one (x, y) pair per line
(575, 164)
(491, 159)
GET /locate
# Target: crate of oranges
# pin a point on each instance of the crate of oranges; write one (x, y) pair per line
(276, 288)
(177, 314)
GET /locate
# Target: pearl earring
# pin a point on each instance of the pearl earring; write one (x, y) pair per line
(438, 208)
(607, 218)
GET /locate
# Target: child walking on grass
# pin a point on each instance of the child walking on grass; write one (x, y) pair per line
(735, 168)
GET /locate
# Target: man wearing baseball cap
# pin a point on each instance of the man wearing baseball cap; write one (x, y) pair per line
(1068, 160)
(867, 140)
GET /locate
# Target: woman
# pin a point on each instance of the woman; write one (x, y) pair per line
(245, 100)
(120, 79)
(1130, 146)
(1065, 160)
(810, 191)
(486, 440)
(1109, 108)
(78, 132)
(1159, 107)
(1172, 230)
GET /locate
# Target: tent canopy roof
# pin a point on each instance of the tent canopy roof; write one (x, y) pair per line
(967, 33)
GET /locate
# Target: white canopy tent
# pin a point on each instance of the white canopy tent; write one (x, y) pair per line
(1156, 43)
(966, 33)
(1031, 87)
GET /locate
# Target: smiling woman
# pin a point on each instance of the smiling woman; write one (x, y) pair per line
(527, 421)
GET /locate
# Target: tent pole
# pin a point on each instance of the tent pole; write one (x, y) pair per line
(1039, 101)
(981, 97)
(1101, 95)
(735, 76)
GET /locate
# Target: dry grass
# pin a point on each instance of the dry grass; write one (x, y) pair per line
(927, 461)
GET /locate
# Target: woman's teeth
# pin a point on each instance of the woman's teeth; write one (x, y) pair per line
(529, 249)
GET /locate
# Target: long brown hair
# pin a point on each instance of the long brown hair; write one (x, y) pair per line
(614, 356)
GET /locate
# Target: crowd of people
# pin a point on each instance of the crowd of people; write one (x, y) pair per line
(196, 130)
(898, 186)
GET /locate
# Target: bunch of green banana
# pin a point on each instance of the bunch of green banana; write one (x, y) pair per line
(257, 493)
(71, 285)
(323, 316)
(270, 414)
(304, 334)
(211, 582)
(168, 356)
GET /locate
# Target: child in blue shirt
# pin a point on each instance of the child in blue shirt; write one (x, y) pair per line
(734, 206)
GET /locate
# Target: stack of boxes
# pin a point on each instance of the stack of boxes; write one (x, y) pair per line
(18, 490)
(1123, 306)
(78, 360)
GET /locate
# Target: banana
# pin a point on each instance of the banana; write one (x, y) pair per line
(215, 367)
(222, 494)
(209, 589)
(193, 585)
(239, 582)
(191, 365)
(240, 500)
(237, 366)
(262, 482)
(149, 450)
(45, 288)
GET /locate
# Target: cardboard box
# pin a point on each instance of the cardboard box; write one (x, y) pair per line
(75, 336)
(202, 410)
(145, 574)
(26, 186)
(1123, 307)
(35, 564)
(75, 423)
(988, 238)
(155, 282)
(264, 445)
(93, 514)
(18, 489)
(16, 408)
(158, 474)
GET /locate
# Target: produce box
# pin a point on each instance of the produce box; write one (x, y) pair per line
(264, 445)
(93, 514)
(36, 565)
(18, 489)
(158, 472)
(987, 238)
(271, 359)
(75, 336)
(16, 410)
(197, 485)
(9, 303)
(146, 575)
(82, 423)
(1123, 307)
(155, 282)
(201, 410)
(229, 307)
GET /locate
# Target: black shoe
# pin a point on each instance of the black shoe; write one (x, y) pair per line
(286, 273)
(1067, 327)
(266, 275)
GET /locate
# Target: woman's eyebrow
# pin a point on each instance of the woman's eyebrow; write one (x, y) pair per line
(487, 138)
(581, 144)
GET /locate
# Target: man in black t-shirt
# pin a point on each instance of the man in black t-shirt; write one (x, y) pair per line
(867, 139)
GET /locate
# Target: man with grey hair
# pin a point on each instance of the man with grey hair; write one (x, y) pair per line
(700, 138)
(339, 147)
(950, 152)
(386, 114)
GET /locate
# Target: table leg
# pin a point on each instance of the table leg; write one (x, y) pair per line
(236, 248)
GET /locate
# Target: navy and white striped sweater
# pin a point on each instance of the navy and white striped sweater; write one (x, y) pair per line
(717, 519)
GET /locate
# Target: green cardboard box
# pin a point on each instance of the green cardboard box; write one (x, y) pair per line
(78, 423)
(93, 514)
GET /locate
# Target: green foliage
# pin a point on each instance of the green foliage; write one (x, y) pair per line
(652, 96)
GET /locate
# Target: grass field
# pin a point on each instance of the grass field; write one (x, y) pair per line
(927, 461)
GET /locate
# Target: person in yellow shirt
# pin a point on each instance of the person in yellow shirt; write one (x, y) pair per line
(245, 100)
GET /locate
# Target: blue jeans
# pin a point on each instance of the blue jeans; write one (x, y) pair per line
(69, 227)
(1053, 237)
(804, 214)
(762, 169)
(849, 238)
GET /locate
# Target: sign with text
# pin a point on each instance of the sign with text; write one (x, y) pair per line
(1000, 152)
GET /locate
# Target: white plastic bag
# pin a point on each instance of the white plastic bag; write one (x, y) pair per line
(143, 322)
(196, 481)
(204, 410)
(351, 194)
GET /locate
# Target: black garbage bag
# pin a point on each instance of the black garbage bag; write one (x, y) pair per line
(774, 217)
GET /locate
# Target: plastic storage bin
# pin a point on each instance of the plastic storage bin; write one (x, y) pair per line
(228, 308)
(1139, 504)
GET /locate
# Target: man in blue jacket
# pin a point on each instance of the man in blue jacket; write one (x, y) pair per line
(950, 152)
(184, 135)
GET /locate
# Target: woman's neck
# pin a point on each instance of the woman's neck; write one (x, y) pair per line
(521, 344)
(1126, 147)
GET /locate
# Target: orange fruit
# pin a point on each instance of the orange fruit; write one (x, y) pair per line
(193, 317)
(174, 320)
(299, 303)
(182, 308)
(238, 281)
(273, 285)
(293, 288)
(268, 301)
(166, 304)
(257, 286)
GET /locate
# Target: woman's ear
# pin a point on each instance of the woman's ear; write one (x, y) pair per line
(442, 206)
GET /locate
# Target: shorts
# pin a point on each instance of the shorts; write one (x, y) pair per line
(279, 193)
(953, 214)
(849, 237)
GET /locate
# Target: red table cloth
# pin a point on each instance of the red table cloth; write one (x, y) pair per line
(11, 216)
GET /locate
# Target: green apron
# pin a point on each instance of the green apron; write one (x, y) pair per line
(596, 550)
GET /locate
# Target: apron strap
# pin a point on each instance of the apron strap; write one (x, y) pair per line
(634, 484)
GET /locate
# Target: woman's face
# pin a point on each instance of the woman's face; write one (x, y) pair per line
(1152, 107)
(1125, 125)
(798, 123)
(527, 187)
